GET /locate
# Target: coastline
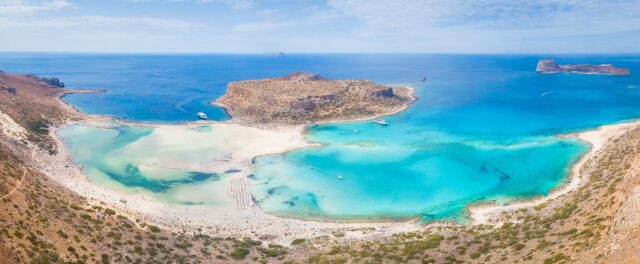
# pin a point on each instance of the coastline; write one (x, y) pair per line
(392, 112)
(489, 212)
(223, 220)
(252, 221)
(226, 220)
(411, 93)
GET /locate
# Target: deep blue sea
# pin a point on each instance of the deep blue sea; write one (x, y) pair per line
(482, 129)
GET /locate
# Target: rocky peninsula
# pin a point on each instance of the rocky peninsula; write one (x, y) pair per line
(305, 98)
(550, 66)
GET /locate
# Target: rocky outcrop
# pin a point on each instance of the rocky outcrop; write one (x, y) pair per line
(303, 98)
(53, 82)
(301, 77)
(9, 90)
(386, 92)
(35, 106)
(550, 66)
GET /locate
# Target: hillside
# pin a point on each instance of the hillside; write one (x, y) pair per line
(305, 98)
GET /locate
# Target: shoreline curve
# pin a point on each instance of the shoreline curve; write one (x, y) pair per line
(479, 213)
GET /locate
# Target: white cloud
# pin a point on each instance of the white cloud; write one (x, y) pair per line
(486, 13)
(262, 26)
(334, 26)
(141, 21)
(97, 22)
(270, 20)
(18, 7)
(487, 25)
(236, 4)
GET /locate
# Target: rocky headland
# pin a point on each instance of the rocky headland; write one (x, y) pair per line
(305, 98)
(550, 66)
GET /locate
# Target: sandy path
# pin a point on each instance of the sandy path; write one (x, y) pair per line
(24, 175)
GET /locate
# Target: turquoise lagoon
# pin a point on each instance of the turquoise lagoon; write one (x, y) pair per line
(433, 176)
(482, 130)
(125, 158)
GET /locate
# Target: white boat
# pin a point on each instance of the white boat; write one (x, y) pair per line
(340, 177)
(381, 122)
(355, 131)
(202, 116)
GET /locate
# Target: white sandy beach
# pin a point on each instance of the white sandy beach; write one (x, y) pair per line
(596, 138)
(238, 218)
(242, 218)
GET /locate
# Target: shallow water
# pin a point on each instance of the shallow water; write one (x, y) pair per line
(434, 177)
(481, 129)
(134, 159)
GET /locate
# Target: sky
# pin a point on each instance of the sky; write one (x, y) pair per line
(321, 26)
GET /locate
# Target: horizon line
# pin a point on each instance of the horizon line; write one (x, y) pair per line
(310, 53)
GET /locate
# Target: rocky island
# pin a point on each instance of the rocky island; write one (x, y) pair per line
(550, 66)
(304, 98)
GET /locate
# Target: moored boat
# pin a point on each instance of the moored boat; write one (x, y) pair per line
(381, 122)
(202, 116)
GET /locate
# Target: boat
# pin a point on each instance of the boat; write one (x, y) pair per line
(340, 177)
(355, 131)
(381, 122)
(424, 78)
(202, 116)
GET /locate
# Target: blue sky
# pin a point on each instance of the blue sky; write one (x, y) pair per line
(369, 26)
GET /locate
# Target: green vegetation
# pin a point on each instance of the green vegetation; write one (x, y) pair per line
(39, 126)
(109, 211)
(153, 228)
(239, 253)
(298, 241)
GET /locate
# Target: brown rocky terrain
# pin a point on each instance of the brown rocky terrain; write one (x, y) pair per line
(34, 103)
(305, 98)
